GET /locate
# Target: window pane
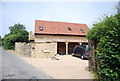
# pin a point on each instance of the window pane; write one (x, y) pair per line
(82, 30)
(41, 28)
(70, 29)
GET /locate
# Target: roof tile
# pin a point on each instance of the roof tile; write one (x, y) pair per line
(52, 27)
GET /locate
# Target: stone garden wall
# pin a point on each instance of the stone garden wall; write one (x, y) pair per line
(24, 49)
(36, 50)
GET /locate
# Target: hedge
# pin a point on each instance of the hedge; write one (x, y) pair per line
(107, 34)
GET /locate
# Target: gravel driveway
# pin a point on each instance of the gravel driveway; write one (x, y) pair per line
(67, 67)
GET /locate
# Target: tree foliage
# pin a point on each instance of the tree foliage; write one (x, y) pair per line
(107, 34)
(16, 28)
(17, 34)
(118, 7)
(0, 40)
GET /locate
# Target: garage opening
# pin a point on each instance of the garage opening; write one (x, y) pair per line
(61, 48)
(84, 43)
(71, 46)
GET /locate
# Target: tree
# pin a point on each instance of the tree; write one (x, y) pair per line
(16, 28)
(17, 34)
(118, 7)
(0, 38)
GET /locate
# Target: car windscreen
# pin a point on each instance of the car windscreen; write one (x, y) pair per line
(87, 48)
(79, 50)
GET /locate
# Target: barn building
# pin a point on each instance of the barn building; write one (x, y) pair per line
(51, 37)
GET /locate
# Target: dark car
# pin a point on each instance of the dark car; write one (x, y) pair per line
(81, 51)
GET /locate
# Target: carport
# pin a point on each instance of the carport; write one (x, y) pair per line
(71, 46)
(62, 47)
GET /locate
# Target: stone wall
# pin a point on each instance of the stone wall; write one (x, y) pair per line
(56, 38)
(44, 49)
(36, 50)
(23, 49)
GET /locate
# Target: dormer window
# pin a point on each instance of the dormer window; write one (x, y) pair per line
(69, 28)
(83, 31)
(41, 28)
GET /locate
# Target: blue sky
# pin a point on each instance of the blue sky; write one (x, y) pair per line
(76, 12)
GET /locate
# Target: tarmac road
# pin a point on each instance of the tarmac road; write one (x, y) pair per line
(14, 67)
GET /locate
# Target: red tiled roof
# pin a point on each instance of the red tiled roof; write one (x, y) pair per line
(51, 27)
